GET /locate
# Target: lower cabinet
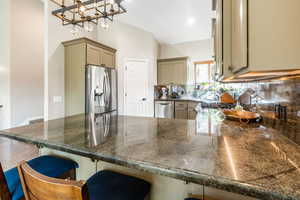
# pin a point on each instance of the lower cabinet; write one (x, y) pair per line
(181, 110)
(192, 113)
(185, 110)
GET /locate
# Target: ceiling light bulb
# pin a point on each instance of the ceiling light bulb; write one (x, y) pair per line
(89, 27)
(82, 8)
(74, 30)
(191, 21)
(104, 24)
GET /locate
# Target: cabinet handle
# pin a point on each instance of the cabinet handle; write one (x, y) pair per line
(164, 104)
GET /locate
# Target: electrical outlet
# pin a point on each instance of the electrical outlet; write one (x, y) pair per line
(298, 114)
(57, 99)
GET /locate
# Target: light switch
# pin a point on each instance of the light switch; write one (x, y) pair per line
(298, 114)
(57, 99)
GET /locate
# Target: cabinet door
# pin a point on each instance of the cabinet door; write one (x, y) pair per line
(172, 72)
(93, 55)
(180, 72)
(274, 32)
(108, 58)
(218, 40)
(75, 60)
(181, 110)
(192, 114)
(239, 35)
(165, 73)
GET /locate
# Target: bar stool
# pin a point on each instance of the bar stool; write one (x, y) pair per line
(104, 185)
(10, 185)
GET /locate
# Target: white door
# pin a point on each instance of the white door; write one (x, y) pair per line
(137, 88)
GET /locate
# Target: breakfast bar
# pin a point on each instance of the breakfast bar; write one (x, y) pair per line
(252, 160)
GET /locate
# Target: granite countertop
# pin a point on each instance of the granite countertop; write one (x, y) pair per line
(251, 160)
(184, 98)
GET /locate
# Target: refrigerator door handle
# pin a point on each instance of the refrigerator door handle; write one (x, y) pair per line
(104, 90)
(107, 90)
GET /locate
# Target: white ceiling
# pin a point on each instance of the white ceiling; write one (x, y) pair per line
(171, 21)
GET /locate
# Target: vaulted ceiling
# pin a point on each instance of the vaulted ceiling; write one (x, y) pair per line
(171, 21)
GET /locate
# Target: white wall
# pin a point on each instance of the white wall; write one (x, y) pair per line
(5, 118)
(131, 43)
(54, 66)
(21, 61)
(26, 60)
(197, 51)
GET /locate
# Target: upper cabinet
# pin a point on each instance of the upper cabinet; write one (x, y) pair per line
(173, 71)
(96, 53)
(256, 39)
(93, 55)
(79, 53)
(108, 58)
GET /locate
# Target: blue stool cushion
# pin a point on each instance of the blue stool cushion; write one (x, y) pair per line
(47, 165)
(191, 199)
(108, 185)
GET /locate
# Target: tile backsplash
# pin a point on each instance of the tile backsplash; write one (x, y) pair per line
(274, 92)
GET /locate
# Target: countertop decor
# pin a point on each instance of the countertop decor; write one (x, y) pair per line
(241, 116)
(252, 160)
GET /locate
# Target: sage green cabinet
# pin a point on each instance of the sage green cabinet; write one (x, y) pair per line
(181, 110)
(192, 113)
(185, 110)
(172, 71)
(79, 53)
(100, 56)
(257, 38)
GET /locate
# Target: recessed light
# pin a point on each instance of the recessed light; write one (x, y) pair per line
(191, 21)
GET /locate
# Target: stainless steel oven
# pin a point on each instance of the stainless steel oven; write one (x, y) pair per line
(164, 109)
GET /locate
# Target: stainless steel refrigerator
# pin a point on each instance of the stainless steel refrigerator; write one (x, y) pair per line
(101, 90)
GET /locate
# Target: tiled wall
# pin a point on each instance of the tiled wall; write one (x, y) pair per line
(285, 92)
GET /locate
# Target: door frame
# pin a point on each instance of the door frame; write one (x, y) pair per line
(126, 60)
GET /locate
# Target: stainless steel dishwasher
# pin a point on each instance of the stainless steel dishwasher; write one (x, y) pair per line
(164, 109)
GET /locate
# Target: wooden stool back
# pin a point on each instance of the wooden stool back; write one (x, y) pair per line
(37, 186)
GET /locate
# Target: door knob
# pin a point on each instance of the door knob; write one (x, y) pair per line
(144, 99)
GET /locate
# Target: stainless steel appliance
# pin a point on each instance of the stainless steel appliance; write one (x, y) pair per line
(164, 109)
(100, 127)
(101, 90)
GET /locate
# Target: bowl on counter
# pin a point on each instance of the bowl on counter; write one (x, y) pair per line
(242, 116)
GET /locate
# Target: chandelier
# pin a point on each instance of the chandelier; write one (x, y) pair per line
(86, 13)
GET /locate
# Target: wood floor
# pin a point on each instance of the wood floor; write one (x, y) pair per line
(13, 152)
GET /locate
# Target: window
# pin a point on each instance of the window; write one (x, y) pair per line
(203, 72)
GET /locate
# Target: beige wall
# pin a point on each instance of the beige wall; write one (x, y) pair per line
(197, 50)
(131, 43)
(4, 64)
(27, 62)
(54, 81)
(21, 61)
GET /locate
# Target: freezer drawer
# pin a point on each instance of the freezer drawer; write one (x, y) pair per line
(164, 109)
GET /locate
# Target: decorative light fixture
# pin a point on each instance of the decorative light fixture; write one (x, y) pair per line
(86, 13)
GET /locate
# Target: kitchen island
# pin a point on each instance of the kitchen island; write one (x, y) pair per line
(251, 160)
